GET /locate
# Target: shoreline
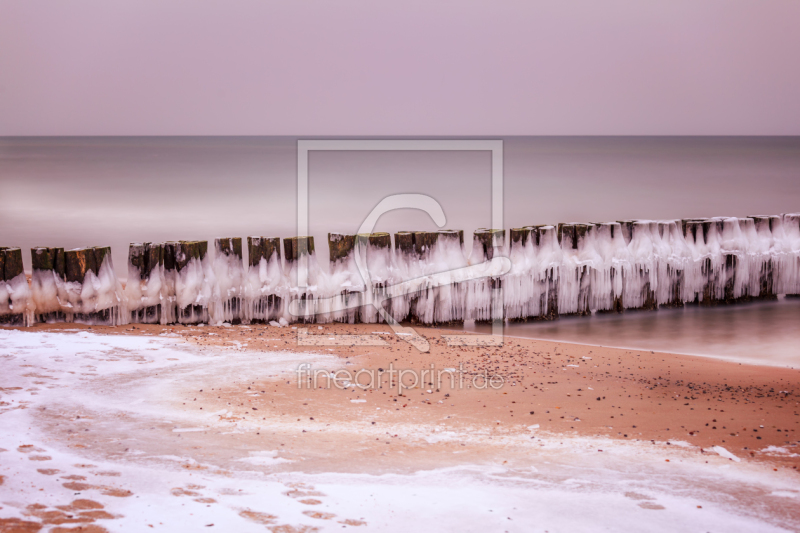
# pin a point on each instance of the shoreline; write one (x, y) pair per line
(644, 395)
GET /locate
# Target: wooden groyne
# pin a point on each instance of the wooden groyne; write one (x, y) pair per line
(556, 270)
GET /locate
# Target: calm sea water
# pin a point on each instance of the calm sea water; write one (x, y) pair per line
(77, 191)
(763, 332)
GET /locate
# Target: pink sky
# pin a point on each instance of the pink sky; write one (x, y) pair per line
(399, 68)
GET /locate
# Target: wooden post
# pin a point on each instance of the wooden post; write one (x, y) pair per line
(79, 262)
(259, 248)
(264, 307)
(424, 241)
(488, 239)
(12, 268)
(294, 248)
(791, 225)
(340, 246)
(231, 311)
(145, 260)
(13, 263)
(484, 242)
(186, 251)
(47, 276)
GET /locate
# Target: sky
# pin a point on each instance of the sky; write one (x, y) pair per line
(416, 67)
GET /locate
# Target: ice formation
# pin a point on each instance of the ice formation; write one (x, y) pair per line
(74, 286)
(16, 299)
(426, 277)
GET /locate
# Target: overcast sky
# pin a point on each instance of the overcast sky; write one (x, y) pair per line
(408, 67)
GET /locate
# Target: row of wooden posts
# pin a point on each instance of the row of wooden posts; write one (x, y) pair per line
(70, 270)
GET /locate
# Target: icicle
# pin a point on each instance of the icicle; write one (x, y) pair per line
(265, 286)
(379, 261)
(578, 260)
(145, 288)
(480, 300)
(48, 276)
(614, 259)
(791, 272)
(302, 266)
(194, 282)
(94, 295)
(225, 304)
(17, 306)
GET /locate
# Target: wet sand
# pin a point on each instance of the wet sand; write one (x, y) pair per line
(565, 388)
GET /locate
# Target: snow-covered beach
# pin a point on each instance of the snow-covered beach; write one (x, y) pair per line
(181, 428)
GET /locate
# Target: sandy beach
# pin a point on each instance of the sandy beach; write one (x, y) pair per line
(694, 438)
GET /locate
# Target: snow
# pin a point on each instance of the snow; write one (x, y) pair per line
(563, 483)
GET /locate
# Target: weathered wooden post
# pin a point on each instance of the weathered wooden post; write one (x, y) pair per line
(791, 225)
(574, 291)
(549, 260)
(15, 296)
(303, 271)
(608, 283)
(48, 274)
(95, 295)
(521, 298)
(146, 286)
(485, 295)
(169, 296)
(406, 262)
(379, 265)
(764, 248)
(449, 296)
(672, 274)
(266, 285)
(641, 284)
(226, 302)
(192, 290)
(733, 267)
(693, 234)
(424, 299)
(345, 306)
